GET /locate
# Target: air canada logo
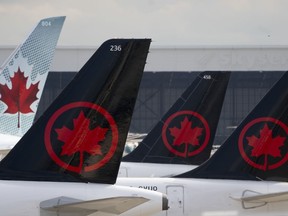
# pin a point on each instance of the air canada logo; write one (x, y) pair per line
(263, 143)
(186, 133)
(18, 98)
(87, 141)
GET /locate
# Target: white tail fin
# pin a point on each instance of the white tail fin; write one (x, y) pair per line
(23, 76)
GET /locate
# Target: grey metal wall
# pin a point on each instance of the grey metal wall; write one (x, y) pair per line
(158, 91)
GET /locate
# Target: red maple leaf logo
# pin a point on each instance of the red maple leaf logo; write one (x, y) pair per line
(186, 134)
(266, 144)
(81, 138)
(19, 98)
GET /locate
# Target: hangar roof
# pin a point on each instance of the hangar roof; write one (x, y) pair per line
(225, 58)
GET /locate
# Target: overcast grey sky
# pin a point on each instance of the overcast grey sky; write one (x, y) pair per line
(167, 22)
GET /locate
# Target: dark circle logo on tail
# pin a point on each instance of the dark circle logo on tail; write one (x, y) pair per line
(186, 133)
(263, 143)
(84, 142)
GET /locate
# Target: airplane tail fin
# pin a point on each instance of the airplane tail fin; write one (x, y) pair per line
(186, 132)
(23, 76)
(81, 136)
(258, 148)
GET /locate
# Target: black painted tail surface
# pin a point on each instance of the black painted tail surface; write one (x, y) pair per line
(258, 148)
(186, 132)
(81, 136)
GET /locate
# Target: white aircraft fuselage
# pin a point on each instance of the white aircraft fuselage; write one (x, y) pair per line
(139, 169)
(25, 197)
(205, 197)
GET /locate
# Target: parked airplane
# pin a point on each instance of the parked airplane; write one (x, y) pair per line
(183, 138)
(80, 139)
(246, 176)
(22, 78)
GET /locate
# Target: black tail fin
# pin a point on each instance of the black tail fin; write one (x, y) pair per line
(186, 132)
(258, 148)
(81, 136)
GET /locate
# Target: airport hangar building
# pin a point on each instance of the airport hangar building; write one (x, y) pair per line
(169, 70)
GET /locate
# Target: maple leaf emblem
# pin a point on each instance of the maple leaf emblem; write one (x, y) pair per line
(266, 144)
(186, 134)
(19, 98)
(81, 138)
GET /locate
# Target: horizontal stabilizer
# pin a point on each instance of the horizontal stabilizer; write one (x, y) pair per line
(267, 198)
(114, 205)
